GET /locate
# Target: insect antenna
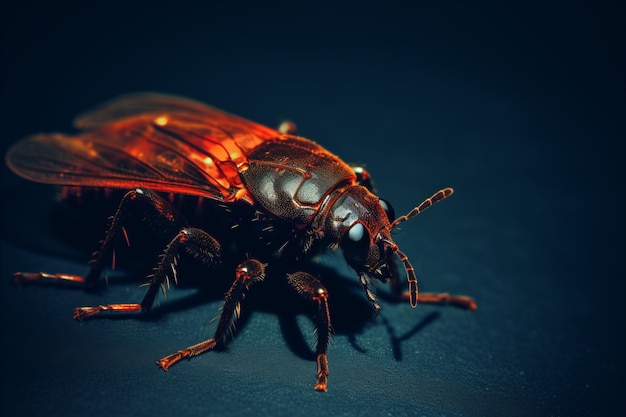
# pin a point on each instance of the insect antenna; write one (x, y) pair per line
(438, 196)
(411, 277)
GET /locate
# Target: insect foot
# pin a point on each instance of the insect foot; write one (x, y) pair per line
(322, 373)
(81, 313)
(31, 277)
(462, 301)
(189, 352)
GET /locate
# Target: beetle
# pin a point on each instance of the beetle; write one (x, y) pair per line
(271, 196)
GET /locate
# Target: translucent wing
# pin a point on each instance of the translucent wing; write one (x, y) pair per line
(155, 141)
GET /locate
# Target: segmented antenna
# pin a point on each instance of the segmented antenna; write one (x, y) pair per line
(438, 196)
(411, 277)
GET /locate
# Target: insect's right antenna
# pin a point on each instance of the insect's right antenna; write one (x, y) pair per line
(438, 196)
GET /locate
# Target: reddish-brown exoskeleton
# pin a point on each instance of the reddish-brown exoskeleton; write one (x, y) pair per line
(273, 196)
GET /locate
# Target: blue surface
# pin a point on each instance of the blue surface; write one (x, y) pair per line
(519, 109)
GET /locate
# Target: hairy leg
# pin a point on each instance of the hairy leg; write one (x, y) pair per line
(313, 291)
(248, 273)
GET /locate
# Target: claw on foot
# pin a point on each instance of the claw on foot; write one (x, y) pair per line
(189, 352)
(170, 360)
(321, 384)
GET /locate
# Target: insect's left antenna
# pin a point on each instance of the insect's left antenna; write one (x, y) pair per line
(411, 277)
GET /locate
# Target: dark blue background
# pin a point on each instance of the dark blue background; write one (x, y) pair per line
(519, 108)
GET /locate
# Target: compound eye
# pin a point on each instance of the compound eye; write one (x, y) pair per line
(356, 243)
(386, 205)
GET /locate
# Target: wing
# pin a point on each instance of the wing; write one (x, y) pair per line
(155, 141)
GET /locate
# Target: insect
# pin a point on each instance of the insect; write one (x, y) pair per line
(269, 196)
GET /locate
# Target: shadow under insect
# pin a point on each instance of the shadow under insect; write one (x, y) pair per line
(77, 223)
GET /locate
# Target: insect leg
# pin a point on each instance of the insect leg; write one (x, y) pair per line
(462, 301)
(150, 202)
(248, 273)
(31, 277)
(371, 297)
(196, 242)
(313, 290)
(426, 297)
(152, 205)
(397, 289)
